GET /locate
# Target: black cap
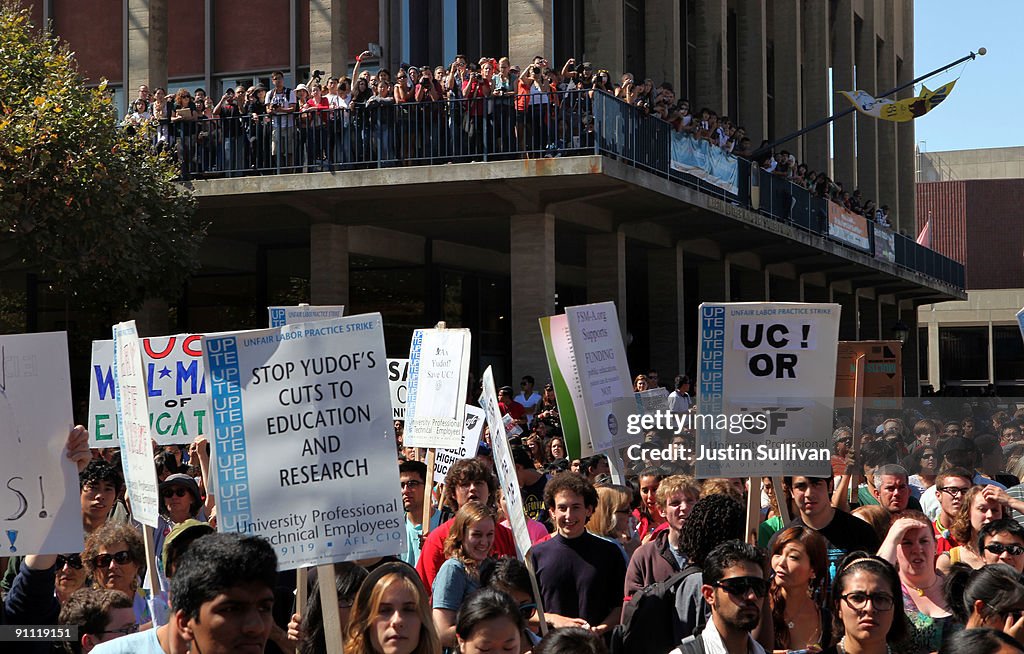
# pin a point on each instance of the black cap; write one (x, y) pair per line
(987, 444)
(506, 389)
(956, 444)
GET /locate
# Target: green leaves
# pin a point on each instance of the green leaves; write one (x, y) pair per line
(87, 206)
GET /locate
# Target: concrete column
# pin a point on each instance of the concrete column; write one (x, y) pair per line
(934, 365)
(815, 78)
(752, 37)
(328, 36)
(844, 151)
(147, 46)
(603, 40)
(531, 31)
(867, 127)
(712, 64)
(666, 309)
(328, 263)
(888, 179)
(788, 50)
(152, 318)
(905, 138)
(606, 271)
(714, 281)
(532, 278)
(663, 42)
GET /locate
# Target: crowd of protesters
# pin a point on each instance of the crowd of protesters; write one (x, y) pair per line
(425, 114)
(914, 543)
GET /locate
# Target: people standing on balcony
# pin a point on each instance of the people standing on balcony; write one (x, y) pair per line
(428, 117)
(338, 141)
(258, 125)
(503, 88)
(229, 115)
(317, 109)
(281, 104)
(476, 87)
(454, 84)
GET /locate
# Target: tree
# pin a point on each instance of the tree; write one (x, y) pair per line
(85, 204)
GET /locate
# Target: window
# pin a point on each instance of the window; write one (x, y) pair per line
(963, 352)
(634, 39)
(1008, 354)
(568, 32)
(922, 354)
(688, 65)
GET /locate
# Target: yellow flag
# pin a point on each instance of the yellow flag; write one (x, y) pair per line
(899, 110)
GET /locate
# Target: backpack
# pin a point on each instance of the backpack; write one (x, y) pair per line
(648, 617)
(692, 645)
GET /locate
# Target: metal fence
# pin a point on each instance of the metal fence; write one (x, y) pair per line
(381, 133)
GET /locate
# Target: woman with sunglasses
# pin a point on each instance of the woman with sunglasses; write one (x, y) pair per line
(923, 466)
(990, 597)
(867, 606)
(1002, 541)
(910, 545)
(114, 557)
(70, 576)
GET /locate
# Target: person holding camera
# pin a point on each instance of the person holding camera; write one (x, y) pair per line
(428, 117)
(458, 74)
(476, 89)
(503, 88)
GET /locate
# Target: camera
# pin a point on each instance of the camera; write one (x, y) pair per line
(424, 81)
(317, 74)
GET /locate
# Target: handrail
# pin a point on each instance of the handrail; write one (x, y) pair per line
(381, 133)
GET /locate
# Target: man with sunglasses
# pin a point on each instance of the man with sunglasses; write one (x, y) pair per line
(1002, 541)
(734, 587)
(100, 614)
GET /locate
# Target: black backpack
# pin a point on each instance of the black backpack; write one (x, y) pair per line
(648, 618)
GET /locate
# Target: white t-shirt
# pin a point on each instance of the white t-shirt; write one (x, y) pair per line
(144, 642)
(275, 99)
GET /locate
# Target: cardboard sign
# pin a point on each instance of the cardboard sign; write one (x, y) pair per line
(304, 441)
(39, 497)
(438, 385)
(280, 316)
(505, 466)
(175, 388)
(398, 378)
(603, 370)
(471, 434)
(565, 378)
(766, 374)
(883, 372)
(133, 430)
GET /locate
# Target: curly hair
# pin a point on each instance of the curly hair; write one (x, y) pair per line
(89, 609)
(674, 484)
(109, 534)
(468, 515)
(961, 528)
(98, 471)
(465, 471)
(713, 520)
(573, 483)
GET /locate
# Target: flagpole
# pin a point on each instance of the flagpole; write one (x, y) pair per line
(849, 110)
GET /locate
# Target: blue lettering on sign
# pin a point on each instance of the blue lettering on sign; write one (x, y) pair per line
(104, 382)
(189, 374)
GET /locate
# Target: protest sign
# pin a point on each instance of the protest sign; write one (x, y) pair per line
(883, 373)
(471, 434)
(603, 370)
(565, 379)
(398, 378)
(650, 401)
(504, 465)
(847, 227)
(1020, 322)
(438, 385)
(280, 316)
(767, 371)
(133, 430)
(175, 387)
(40, 500)
(304, 440)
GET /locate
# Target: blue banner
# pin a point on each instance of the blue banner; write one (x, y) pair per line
(708, 162)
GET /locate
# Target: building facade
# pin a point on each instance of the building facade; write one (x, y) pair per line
(971, 202)
(495, 244)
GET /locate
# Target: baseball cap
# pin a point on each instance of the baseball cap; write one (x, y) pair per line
(179, 479)
(191, 527)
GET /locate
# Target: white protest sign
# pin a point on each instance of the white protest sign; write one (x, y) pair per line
(603, 369)
(565, 378)
(438, 383)
(766, 375)
(650, 401)
(40, 500)
(280, 316)
(398, 378)
(175, 386)
(505, 466)
(133, 424)
(304, 441)
(471, 433)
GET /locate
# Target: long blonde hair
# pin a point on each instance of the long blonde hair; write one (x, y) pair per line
(467, 516)
(609, 500)
(367, 605)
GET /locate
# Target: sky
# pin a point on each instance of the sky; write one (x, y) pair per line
(945, 31)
